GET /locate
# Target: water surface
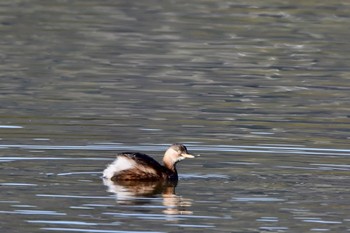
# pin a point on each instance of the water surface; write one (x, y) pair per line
(259, 89)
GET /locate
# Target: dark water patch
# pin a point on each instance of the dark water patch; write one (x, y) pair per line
(258, 199)
(202, 176)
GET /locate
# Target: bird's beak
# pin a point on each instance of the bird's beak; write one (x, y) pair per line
(185, 155)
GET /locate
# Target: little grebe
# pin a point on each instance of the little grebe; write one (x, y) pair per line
(137, 166)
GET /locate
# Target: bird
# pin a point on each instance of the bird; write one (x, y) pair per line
(136, 166)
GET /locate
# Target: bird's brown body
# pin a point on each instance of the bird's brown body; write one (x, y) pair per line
(141, 167)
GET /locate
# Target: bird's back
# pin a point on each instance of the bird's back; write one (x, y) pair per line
(134, 166)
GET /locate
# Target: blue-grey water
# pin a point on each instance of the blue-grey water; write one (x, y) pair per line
(260, 89)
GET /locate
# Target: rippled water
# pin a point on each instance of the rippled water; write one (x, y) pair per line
(260, 89)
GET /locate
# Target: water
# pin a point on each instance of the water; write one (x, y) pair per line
(259, 89)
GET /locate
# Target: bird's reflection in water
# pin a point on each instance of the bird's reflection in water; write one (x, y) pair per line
(141, 193)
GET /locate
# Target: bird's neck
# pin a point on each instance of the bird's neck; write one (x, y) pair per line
(170, 160)
(169, 164)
